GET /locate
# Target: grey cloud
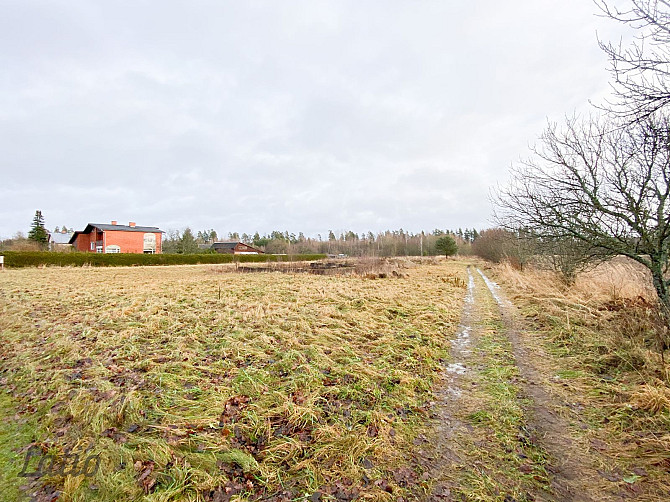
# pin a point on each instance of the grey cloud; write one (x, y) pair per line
(257, 115)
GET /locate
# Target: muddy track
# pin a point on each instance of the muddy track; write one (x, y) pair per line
(568, 465)
(443, 455)
(438, 455)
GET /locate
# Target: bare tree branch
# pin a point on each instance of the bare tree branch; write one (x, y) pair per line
(600, 187)
(640, 72)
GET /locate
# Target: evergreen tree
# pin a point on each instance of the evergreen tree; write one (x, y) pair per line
(187, 244)
(37, 232)
(446, 245)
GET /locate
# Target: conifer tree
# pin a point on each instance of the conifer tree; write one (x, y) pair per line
(37, 232)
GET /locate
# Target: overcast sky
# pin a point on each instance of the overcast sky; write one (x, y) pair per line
(301, 116)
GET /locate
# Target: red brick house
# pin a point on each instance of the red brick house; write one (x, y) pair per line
(114, 238)
(234, 247)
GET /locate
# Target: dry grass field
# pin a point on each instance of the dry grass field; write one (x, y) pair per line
(198, 383)
(396, 380)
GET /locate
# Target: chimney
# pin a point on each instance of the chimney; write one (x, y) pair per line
(113, 222)
(131, 224)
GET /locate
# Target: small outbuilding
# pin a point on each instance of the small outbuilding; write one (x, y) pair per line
(234, 247)
(60, 241)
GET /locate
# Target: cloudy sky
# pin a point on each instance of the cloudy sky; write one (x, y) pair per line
(292, 115)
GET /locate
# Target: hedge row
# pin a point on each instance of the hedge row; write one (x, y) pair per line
(18, 259)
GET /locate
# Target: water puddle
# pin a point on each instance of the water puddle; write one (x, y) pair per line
(457, 368)
(470, 295)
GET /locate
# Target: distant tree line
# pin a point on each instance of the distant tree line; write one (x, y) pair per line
(37, 239)
(388, 243)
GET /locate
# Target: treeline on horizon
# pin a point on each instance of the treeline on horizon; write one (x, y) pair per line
(387, 243)
(520, 248)
(382, 244)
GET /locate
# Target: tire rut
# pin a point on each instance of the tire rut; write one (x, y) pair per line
(438, 455)
(568, 465)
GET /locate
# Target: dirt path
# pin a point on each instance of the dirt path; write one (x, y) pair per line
(439, 453)
(496, 433)
(569, 467)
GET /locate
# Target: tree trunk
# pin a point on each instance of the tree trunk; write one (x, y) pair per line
(663, 293)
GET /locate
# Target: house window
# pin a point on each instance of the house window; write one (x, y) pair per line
(98, 249)
(113, 249)
(150, 243)
(92, 246)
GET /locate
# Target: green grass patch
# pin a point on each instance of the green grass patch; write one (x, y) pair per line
(506, 461)
(15, 434)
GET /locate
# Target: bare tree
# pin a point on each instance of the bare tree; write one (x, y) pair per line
(600, 185)
(640, 70)
(567, 256)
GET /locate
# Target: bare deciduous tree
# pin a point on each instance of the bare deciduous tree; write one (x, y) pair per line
(640, 70)
(567, 256)
(603, 186)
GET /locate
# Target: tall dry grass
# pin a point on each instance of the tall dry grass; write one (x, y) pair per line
(600, 342)
(188, 381)
(616, 300)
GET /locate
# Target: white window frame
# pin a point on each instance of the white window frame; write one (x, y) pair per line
(150, 239)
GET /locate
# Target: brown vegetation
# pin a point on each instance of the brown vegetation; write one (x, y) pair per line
(367, 267)
(193, 385)
(600, 335)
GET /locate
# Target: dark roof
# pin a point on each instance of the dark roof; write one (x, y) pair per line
(231, 245)
(107, 226)
(226, 244)
(126, 228)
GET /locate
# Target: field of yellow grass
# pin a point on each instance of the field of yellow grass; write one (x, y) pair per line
(197, 383)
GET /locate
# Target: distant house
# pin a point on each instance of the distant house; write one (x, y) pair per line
(59, 241)
(115, 238)
(234, 247)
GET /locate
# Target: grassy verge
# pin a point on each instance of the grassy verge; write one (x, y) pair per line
(603, 361)
(188, 384)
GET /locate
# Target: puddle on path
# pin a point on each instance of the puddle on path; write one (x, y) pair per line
(460, 346)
